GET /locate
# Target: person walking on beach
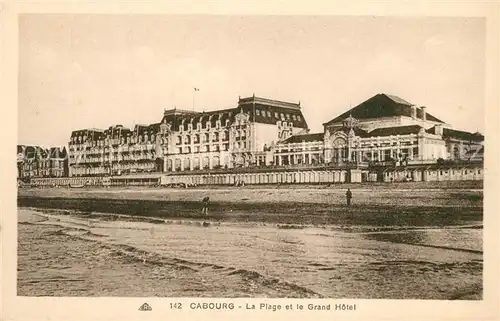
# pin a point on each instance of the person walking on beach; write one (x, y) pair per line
(348, 196)
(205, 201)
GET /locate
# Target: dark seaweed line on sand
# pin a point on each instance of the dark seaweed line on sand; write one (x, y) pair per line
(447, 248)
(284, 212)
(475, 290)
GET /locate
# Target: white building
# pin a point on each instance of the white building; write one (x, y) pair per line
(188, 141)
(383, 129)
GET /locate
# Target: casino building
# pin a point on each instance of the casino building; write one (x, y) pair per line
(382, 129)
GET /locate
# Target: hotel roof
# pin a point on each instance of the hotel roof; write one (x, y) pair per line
(382, 105)
(393, 131)
(458, 134)
(304, 138)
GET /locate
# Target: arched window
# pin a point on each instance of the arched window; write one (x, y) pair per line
(177, 164)
(196, 163)
(205, 162)
(215, 161)
(187, 163)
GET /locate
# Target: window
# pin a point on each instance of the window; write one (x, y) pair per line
(288, 116)
(276, 115)
(282, 116)
(299, 118)
(268, 113)
(257, 112)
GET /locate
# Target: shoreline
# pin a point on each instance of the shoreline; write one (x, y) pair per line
(80, 259)
(280, 213)
(284, 206)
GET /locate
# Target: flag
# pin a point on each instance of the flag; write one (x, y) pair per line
(196, 89)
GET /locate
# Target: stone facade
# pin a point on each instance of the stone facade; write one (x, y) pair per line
(188, 141)
(261, 133)
(36, 161)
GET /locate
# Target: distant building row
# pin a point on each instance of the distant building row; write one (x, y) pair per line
(261, 132)
(36, 161)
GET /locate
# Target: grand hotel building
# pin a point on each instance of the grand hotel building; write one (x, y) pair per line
(185, 140)
(265, 133)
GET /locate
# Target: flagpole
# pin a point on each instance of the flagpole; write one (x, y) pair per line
(194, 93)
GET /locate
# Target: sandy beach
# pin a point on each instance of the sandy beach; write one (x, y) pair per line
(255, 248)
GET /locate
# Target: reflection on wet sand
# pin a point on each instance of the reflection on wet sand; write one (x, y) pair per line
(65, 256)
(464, 239)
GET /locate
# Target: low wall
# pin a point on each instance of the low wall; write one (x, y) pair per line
(434, 175)
(299, 177)
(67, 181)
(276, 177)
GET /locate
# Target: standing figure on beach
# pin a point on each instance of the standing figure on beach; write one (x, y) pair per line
(348, 196)
(205, 201)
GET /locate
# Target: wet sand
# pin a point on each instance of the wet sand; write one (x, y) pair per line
(395, 242)
(67, 253)
(391, 206)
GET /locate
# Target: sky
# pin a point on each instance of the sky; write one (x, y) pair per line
(95, 71)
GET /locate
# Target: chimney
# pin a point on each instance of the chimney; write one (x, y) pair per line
(439, 130)
(424, 115)
(413, 111)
